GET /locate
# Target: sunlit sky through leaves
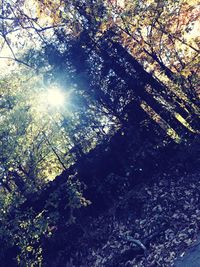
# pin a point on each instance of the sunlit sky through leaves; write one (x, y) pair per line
(55, 97)
(20, 38)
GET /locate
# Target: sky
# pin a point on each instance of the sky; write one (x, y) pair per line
(21, 40)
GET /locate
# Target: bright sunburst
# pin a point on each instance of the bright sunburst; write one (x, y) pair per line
(55, 97)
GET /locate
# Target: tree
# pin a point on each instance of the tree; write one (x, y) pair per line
(166, 49)
(35, 146)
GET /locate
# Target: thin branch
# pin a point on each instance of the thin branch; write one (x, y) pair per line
(54, 151)
(7, 18)
(173, 36)
(18, 61)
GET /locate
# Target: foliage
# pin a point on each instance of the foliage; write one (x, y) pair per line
(33, 145)
(119, 65)
(163, 36)
(28, 231)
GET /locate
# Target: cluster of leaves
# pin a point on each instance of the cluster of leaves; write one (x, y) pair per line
(161, 34)
(23, 235)
(24, 140)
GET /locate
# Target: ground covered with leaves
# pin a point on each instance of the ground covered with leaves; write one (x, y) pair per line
(151, 226)
(146, 224)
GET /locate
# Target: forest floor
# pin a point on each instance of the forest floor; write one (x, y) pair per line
(155, 223)
(164, 216)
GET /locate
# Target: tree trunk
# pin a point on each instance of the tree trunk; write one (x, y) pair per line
(138, 86)
(161, 89)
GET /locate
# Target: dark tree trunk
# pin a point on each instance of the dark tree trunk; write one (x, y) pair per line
(161, 89)
(138, 86)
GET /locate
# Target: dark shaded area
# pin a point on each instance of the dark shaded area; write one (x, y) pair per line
(109, 172)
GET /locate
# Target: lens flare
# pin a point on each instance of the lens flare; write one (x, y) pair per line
(55, 97)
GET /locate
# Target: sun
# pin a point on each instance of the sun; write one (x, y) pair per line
(55, 97)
